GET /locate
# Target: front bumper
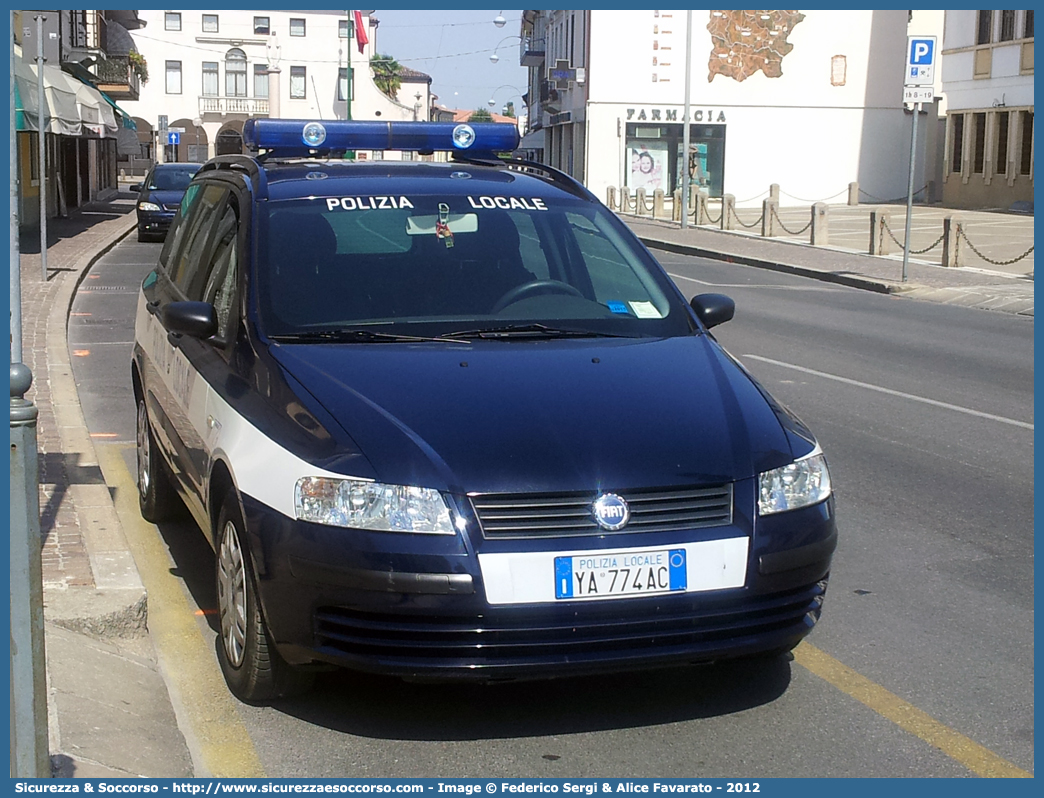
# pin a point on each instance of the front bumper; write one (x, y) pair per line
(414, 606)
(154, 222)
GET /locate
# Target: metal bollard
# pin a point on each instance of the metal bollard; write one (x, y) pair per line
(820, 225)
(625, 199)
(702, 214)
(878, 237)
(29, 755)
(728, 210)
(769, 208)
(950, 225)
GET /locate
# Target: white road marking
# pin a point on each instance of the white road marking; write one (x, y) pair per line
(753, 285)
(890, 392)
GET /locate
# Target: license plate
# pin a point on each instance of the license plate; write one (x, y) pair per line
(611, 575)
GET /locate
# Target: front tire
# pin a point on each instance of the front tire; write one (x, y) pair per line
(157, 499)
(253, 669)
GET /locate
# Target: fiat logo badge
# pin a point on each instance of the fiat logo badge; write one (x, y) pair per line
(610, 512)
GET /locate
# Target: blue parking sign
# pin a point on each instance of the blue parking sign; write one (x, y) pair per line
(922, 52)
(920, 61)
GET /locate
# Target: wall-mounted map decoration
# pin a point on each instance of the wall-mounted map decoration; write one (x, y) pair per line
(742, 42)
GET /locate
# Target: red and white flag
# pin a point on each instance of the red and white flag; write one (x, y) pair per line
(360, 32)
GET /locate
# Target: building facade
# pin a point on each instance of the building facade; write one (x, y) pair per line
(809, 100)
(211, 71)
(85, 70)
(987, 75)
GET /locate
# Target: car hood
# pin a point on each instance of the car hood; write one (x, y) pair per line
(164, 197)
(541, 416)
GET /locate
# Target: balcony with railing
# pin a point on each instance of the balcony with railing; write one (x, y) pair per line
(118, 78)
(531, 51)
(88, 31)
(247, 106)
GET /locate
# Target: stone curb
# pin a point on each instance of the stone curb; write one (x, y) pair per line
(865, 283)
(117, 606)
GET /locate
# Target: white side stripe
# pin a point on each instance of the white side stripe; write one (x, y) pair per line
(262, 468)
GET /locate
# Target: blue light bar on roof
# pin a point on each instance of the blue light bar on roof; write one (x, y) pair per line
(299, 137)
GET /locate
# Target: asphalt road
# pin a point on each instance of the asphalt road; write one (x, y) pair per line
(921, 667)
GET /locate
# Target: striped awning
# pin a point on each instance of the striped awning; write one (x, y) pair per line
(71, 106)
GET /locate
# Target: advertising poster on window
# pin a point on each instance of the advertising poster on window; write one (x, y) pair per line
(699, 175)
(648, 166)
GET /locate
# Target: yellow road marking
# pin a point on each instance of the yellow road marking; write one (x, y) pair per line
(186, 657)
(977, 758)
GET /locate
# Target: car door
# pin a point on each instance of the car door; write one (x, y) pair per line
(180, 392)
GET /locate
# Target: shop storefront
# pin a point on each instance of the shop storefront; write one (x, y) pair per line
(80, 126)
(653, 156)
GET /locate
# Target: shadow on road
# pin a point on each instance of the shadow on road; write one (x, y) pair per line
(386, 708)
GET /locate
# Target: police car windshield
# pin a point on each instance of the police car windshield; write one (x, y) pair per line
(431, 265)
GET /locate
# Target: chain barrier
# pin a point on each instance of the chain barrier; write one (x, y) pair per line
(891, 201)
(649, 207)
(785, 228)
(744, 224)
(962, 234)
(812, 202)
(758, 196)
(711, 219)
(898, 243)
(891, 235)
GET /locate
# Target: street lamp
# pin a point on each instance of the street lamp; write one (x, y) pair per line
(494, 58)
(499, 20)
(493, 102)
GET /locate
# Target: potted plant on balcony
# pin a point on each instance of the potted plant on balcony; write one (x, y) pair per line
(139, 66)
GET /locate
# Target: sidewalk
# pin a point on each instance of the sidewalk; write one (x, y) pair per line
(110, 711)
(1006, 288)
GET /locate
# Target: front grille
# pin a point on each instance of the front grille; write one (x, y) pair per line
(563, 636)
(555, 515)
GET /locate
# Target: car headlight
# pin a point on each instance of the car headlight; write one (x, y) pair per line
(799, 484)
(148, 206)
(372, 505)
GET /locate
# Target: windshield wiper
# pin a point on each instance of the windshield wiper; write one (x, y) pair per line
(350, 335)
(526, 331)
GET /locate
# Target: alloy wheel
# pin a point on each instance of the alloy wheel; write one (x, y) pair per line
(232, 578)
(144, 450)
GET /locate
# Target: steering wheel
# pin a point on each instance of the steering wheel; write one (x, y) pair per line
(533, 288)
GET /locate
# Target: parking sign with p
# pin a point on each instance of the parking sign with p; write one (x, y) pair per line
(920, 61)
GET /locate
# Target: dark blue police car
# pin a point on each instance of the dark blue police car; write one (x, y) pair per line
(451, 420)
(159, 198)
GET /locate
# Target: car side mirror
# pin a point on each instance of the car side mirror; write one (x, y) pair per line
(194, 319)
(137, 187)
(713, 309)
